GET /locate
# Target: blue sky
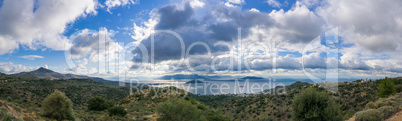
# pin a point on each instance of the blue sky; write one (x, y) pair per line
(367, 39)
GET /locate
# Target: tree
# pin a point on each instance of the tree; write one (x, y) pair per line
(178, 110)
(387, 88)
(117, 111)
(99, 104)
(58, 106)
(311, 105)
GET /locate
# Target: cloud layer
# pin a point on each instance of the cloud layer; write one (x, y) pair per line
(369, 31)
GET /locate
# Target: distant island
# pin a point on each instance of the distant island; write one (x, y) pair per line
(183, 76)
(252, 77)
(194, 81)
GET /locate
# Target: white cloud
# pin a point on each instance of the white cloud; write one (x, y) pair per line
(236, 1)
(44, 27)
(115, 3)
(274, 3)
(31, 57)
(375, 25)
(294, 26)
(96, 45)
(254, 10)
(197, 4)
(96, 53)
(9, 68)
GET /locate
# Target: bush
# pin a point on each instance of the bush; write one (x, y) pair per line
(178, 110)
(387, 111)
(9, 99)
(58, 106)
(99, 104)
(313, 105)
(369, 115)
(213, 116)
(381, 104)
(387, 88)
(371, 105)
(202, 107)
(399, 88)
(117, 111)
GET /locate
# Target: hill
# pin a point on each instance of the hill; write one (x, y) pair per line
(44, 73)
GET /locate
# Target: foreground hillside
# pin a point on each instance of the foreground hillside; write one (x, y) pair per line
(22, 99)
(352, 97)
(27, 94)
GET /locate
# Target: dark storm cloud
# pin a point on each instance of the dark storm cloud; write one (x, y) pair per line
(171, 17)
(208, 30)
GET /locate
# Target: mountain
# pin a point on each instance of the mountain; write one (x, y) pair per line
(183, 76)
(41, 73)
(49, 74)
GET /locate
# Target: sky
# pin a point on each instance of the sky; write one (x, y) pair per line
(151, 38)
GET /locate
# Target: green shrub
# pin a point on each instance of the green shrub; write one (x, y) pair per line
(99, 104)
(58, 106)
(387, 111)
(9, 99)
(202, 107)
(371, 105)
(369, 115)
(313, 105)
(387, 88)
(117, 111)
(381, 104)
(399, 88)
(178, 110)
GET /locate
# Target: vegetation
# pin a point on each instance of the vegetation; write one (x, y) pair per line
(178, 110)
(117, 111)
(24, 96)
(383, 108)
(58, 106)
(352, 97)
(371, 105)
(369, 115)
(387, 88)
(31, 92)
(312, 105)
(99, 103)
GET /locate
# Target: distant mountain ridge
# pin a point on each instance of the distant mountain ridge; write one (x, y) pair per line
(49, 74)
(183, 76)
